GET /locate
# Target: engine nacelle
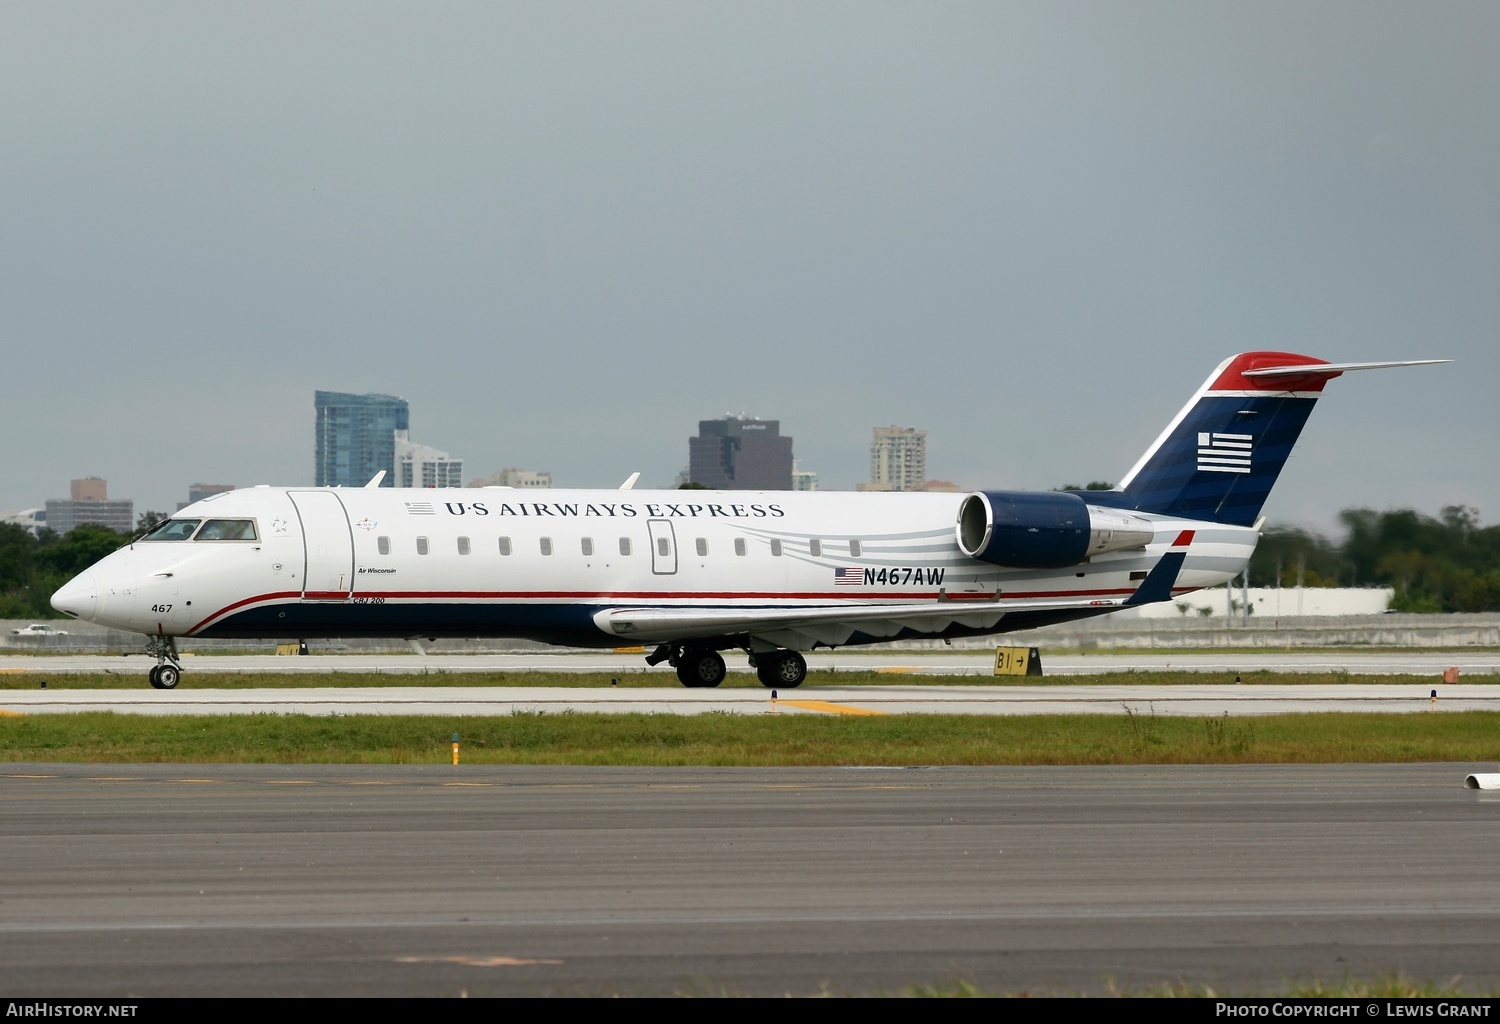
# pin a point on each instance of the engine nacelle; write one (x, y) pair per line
(1043, 529)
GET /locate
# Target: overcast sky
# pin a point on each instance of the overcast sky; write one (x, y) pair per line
(566, 232)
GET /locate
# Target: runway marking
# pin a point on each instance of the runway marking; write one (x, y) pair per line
(833, 709)
(476, 961)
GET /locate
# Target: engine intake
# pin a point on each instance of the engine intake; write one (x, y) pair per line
(1043, 529)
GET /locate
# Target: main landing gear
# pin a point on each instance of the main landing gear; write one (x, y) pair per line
(699, 667)
(785, 669)
(167, 672)
(696, 666)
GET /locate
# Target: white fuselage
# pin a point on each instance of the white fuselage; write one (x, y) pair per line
(551, 565)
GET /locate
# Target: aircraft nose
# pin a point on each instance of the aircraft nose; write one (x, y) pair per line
(78, 597)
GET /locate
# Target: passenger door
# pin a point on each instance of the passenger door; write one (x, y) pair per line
(327, 546)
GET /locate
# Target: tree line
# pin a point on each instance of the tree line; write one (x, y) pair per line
(1444, 564)
(32, 568)
(1447, 563)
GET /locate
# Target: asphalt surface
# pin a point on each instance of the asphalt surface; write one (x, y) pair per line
(980, 663)
(239, 880)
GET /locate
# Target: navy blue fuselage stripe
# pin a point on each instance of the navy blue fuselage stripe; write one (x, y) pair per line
(571, 625)
(1173, 484)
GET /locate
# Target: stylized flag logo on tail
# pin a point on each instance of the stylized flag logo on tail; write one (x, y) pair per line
(1223, 453)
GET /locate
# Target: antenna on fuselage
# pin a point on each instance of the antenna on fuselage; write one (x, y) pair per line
(375, 480)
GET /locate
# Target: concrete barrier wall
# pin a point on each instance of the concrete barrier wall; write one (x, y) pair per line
(1387, 630)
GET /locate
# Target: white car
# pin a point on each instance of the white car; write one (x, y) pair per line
(38, 629)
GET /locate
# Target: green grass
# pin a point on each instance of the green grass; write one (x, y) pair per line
(759, 740)
(196, 677)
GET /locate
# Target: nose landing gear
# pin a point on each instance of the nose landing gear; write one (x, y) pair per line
(167, 672)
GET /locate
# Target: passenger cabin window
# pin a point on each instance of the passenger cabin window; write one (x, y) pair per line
(739, 546)
(776, 549)
(173, 529)
(383, 545)
(587, 544)
(546, 545)
(624, 545)
(505, 545)
(702, 546)
(227, 529)
(421, 545)
(815, 548)
(854, 548)
(463, 545)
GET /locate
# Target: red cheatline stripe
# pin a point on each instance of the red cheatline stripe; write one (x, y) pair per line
(282, 596)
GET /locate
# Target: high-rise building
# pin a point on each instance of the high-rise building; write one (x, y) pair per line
(356, 438)
(420, 466)
(898, 459)
(803, 479)
(89, 503)
(737, 453)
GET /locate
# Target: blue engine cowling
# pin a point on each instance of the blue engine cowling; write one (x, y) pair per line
(1024, 529)
(1043, 529)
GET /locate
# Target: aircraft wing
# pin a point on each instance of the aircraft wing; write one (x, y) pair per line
(801, 628)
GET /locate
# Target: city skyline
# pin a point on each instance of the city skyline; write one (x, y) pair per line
(421, 466)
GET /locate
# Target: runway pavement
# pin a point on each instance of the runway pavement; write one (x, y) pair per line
(323, 880)
(820, 695)
(1476, 661)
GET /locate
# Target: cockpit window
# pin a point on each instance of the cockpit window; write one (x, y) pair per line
(227, 529)
(173, 529)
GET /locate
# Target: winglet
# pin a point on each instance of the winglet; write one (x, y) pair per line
(375, 480)
(1157, 586)
(630, 482)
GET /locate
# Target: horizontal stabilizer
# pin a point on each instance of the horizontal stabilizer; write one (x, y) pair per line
(1334, 369)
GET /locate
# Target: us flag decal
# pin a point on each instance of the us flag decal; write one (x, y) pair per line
(848, 577)
(1223, 453)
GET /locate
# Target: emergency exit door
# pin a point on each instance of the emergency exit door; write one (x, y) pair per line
(663, 546)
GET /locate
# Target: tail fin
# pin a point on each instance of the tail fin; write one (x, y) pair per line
(1219, 457)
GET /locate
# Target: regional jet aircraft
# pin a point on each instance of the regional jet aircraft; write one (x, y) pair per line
(688, 574)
